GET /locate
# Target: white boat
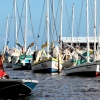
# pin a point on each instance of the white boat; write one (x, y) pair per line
(49, 65)
(71, 62)
(9, 55)
(22, 62)
(85, 69)
(16, 87)
(46, 63)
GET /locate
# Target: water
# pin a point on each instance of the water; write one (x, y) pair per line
(59, 87)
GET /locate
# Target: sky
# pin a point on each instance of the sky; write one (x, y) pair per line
(37, 20)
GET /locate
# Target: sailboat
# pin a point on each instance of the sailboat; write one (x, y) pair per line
(47, 63)
(24, 60)
(67, 62)
(10, 53)
(84, 68)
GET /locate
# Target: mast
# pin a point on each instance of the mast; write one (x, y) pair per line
(15, 24)
(99, 41)
(6, 33)
(53, 19)
(47, 23)
(25, 25)
(94, 26)
(98, 49)
(72, 24)
(61, 19)
(87, 29)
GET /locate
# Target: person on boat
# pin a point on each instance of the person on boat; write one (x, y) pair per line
(3, 74)
(1, 62)
(22, 50)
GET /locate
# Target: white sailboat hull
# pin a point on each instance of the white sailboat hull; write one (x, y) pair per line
(86, 69)
(23, 64)
(47, 66)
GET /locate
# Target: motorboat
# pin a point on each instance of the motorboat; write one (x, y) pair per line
(16, 87)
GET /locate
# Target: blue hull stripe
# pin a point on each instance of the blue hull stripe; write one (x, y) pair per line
(30, 85)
